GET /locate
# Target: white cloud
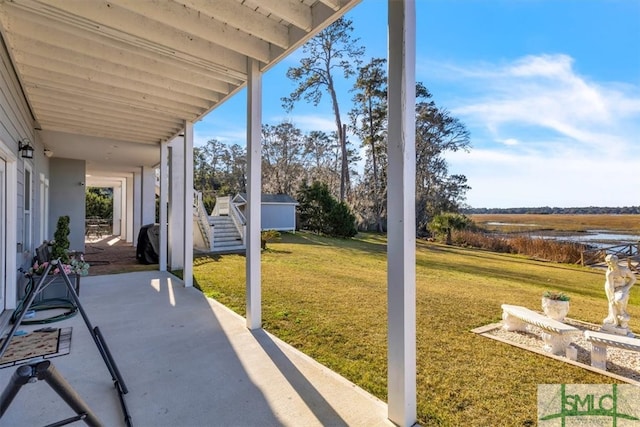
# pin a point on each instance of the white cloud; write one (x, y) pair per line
(308, 122)
(228, 136)
(544, 134)
(510, 141)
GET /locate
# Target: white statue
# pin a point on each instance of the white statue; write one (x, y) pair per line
(617, 285)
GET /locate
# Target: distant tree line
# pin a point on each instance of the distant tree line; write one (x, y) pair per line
(306, 164)
(590, 210)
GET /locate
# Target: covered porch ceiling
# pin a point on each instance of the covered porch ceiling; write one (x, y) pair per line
(107, 81)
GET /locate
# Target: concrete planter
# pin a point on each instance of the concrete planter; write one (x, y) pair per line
(555, 309)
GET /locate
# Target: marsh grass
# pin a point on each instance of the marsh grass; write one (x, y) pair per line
(548, 250)
(327, 297)
(559, 222)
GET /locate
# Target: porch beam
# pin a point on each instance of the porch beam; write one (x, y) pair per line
(65, 124)
(36, 76)
(136, 29)
(401, 232)
(106, 116)
(82, 74)
(187, 248)
(235, 15)
(39, 33)
(85, 103)
(254, 195)
(205, 27)
(293, 11)
(112, 136)
(39, 52)
(48, 109)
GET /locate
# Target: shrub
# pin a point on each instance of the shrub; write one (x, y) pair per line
(267, 236)
(321, 213)
(61, 242)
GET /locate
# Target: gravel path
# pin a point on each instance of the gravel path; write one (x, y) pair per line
(621, 362)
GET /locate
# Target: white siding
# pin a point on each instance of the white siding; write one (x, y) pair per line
(16, 123)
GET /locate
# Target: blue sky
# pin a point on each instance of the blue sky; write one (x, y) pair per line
(549, 90)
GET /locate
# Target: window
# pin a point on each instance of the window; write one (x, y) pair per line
(27, 225)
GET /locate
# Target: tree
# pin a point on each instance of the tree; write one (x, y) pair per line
(322, 214)
(282, 148)
(99, 202)
(60, 248)
(219, 169)
(369, 121)
(442, 224)
(333, 48)
(320, 157)
(437, 132)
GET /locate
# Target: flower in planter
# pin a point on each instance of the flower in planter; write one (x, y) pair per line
(556, 296)
(75, 266)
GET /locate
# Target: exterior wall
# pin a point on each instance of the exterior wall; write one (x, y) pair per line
(67, 197)
(279, 217)
(16, 123)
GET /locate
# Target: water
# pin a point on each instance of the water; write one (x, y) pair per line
(596, 238)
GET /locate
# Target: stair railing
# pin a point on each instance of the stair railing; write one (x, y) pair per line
(238, 220)
(202, 219)
(222, 206)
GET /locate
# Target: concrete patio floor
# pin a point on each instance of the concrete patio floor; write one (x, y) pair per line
(187, 361)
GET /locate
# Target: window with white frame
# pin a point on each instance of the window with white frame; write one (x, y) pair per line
(27, 225)
(44, 208)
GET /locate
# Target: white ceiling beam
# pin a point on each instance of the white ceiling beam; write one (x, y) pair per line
(37, 77)
(90, 128)
(102, 126)
(121, 115)
(333, 4)
(246, 19)
(101, 133)
(113, 21)
(43, 30)
(37, 52)
(119, 133)
(49, 109)
(99, 98)
(293, 11)
(182, 18)
(84, 75)
(42, 94)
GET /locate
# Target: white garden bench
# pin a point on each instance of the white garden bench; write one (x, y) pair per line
(555, 334)
(601, 340)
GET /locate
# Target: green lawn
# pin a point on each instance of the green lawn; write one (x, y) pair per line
(327, 297)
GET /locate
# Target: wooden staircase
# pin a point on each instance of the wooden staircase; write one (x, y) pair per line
(226, 237)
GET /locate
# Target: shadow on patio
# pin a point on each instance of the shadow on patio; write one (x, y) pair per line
(187, 361)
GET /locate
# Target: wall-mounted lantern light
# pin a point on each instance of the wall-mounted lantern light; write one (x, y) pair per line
(25, 148)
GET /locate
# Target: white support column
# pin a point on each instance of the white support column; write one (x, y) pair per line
(401, 250)
(164, 199)
(117, 210)
(176, 213)
(128, 196)
(254, 195)
(137, 202)
(148, 193)
(188, 205)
